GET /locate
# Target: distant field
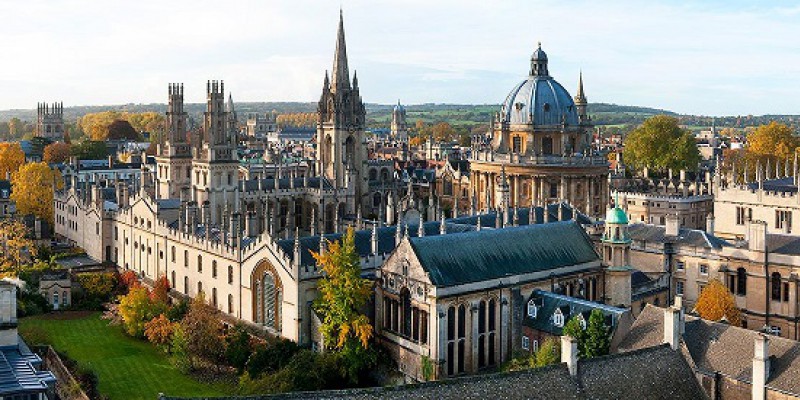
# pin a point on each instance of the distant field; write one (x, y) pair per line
(126, 368)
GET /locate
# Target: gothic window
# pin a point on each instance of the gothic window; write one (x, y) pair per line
(199, 263)
(268, 296)
(547, 145)
(405, 301)
(451, 340)
(447, 187)
(172, 281)
(462, 317)
(741, 282)
(350, 151)
(482, 334)
(776, 286)
(172, 254)
(376, 199)
(214, 297)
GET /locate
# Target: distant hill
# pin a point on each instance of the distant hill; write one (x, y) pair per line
(461, 115)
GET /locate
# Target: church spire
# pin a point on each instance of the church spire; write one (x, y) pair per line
(341, 75)
(580, 96)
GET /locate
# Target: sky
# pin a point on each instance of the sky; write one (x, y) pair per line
(709, 58)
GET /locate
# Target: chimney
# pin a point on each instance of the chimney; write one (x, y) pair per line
(110, 162)
(679, 305)
(569, 354)
(710, 223)
(672, 329)
(8, 314)
(673, 225)
(757, 236)
(760, 367)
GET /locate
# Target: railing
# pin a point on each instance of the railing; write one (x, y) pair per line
(577, 160)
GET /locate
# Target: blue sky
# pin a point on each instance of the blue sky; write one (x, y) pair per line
(712, 58)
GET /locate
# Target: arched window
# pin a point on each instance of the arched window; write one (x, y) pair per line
(481, 334)
(172, 281)
(451, 340)
(776, 286)
(373, 175)
(268, 296)
(199, 287)
(462, 331)
(199, 263)
(492, 329)
(741, 282)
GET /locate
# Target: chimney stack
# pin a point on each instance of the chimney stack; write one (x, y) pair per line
(8, 314)
(679, 306)
(569, 354)
(760, 367)
(672, 328)
(710, 223)
(673, 225)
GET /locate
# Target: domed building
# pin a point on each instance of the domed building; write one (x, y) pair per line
(543, 138)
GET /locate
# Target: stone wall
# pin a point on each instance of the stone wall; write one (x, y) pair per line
(66, 387)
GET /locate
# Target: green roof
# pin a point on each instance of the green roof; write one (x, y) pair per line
(616, 215)
(477, 256)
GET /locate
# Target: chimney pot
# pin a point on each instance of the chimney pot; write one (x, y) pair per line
(569, 354)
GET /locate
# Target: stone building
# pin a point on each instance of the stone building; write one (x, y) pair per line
(56, 287)
(542, 137)
(50, 121)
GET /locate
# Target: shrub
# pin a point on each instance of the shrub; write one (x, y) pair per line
(203, 331)
(128, 279)
(306, 371)
(271, 357)
(238, 349)
(97, 285)
(160, 291)
(31, 303)
(178, 310)
(136, 309)
(180, 350)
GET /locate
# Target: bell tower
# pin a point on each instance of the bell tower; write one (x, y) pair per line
(173, 158)
(341, 150)
(616, 257)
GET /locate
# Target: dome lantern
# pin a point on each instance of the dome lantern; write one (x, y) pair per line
(539, 62)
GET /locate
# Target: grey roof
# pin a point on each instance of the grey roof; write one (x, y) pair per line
(387, 235)
(494, 254)
(548, 302)
(655, 373)
(776, 185)
(55, 275)
(718, 347)
(283, 183)
(18, 372)
(690, 237)
(783, 244)
(539, 100)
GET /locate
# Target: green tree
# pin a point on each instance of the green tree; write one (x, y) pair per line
(574, 329)
(90, 150)
(597, 341)
(343, 297)
(661, 144)
(237, 349)
(549, 352)
(180, 350)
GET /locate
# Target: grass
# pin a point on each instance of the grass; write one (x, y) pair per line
(126, 368)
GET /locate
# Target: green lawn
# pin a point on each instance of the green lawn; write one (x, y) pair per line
(126, 368)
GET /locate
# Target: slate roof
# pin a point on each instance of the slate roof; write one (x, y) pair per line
(720, 347)
(776, 185)
(783, 244)
(386, 235)
(548, 302)
(654, 373)
(690, 237)
(494, 254)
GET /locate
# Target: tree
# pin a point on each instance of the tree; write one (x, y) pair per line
(34, 184)
(717, 303)
(774, 142)
(16, 245)
(574, 330)
(97, 285)
(237, 349)
(660, 144)
(417, 141)
(549, 352)
(180, 350)
(203, 331)
(597, 341)
(443, 132)
(121, 129)
(159, 331)
(136, 309)
(11, 158)
(15, 127)
(56, 153)
(160, 291)
(90, 150)
(151, 122)
(343, 294)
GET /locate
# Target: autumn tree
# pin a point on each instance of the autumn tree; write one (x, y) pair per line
(34, 184)
(151, 122)
(443, 132)
(160, 291)
(661, 144)
(203, 330)
(95, 125)
(11, 158)
(774, 142)
(57, 152)
(16, 246)
(121, 129)
(717, 303)
(417, 141)
(343, 297)
(597, 340)
(297, 119)
(158, 331)
(136, 309)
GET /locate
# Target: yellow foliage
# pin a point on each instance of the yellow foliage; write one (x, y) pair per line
(774, 141)
(34, 184)
(297, 119)
(14, 240)
(95, 125)
(716, 302)
(11, 158)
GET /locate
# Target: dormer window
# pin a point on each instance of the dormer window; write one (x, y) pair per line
(532, 308)
(558, 319)
(582, 322)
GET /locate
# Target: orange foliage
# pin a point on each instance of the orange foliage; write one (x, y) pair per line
(717, 303)
(159, 330)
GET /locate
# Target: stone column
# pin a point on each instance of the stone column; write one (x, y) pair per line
(534, 191)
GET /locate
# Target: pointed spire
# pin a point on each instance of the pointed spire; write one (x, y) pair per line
(340, 74)
(229, 107)
(398, 234)
(297, 247)
(355, 80)
(313, 223)
(580, 96)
